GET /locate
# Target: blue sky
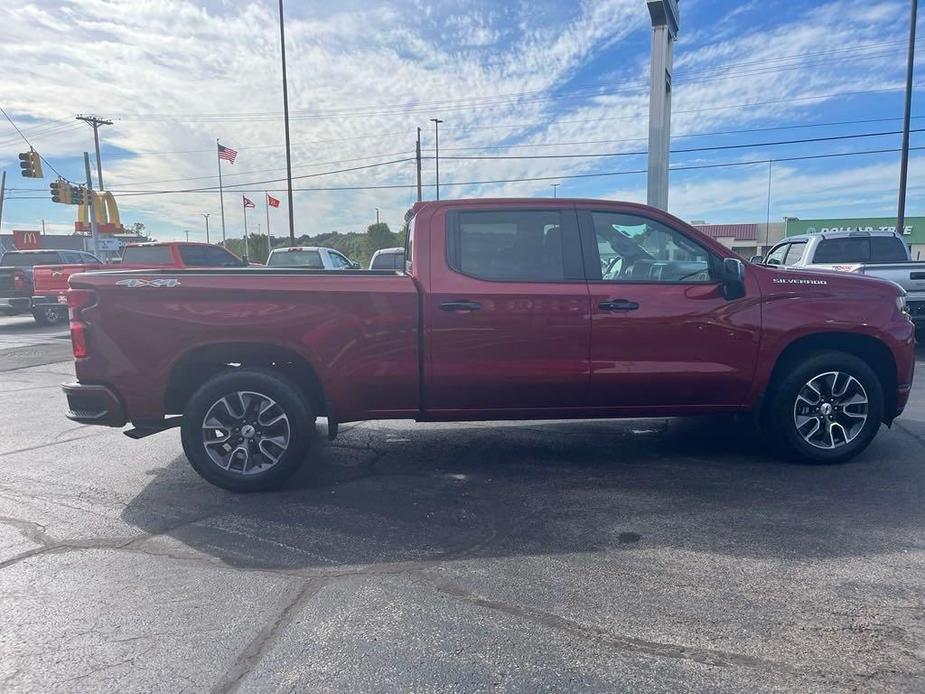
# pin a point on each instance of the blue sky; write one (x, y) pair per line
(508, 78)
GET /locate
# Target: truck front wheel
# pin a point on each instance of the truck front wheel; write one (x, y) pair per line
(247, 430)
(49, 315)
(827, 408)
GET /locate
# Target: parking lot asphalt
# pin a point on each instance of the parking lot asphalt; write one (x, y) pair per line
(642, 555)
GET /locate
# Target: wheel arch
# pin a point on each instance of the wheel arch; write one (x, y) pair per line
(875, 353)
(203, 362)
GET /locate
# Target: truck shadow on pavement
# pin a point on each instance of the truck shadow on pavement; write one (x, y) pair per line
(394, 494)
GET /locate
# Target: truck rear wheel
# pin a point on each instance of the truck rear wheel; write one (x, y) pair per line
(247, 430)
(49, 315)
(826, 409)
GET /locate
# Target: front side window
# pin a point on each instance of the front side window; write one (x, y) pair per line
(777, 255)
(512, 245)
(636, 249)
(795, 254)
(338, 261)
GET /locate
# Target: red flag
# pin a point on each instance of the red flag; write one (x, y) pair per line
(247, 203)
(271, 201)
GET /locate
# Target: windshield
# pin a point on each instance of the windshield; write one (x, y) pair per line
(14, 259)
(299, 258)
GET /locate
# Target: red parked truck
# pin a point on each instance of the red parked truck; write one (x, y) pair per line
(507, 309)
(49, 303)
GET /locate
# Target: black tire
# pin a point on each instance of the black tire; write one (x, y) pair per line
(271, 386)
(49, 315)
(781, 416)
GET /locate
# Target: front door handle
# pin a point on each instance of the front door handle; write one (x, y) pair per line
(618, 305)
(460, 306)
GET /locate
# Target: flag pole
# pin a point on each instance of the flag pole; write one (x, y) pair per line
(266, 201)
(221, 193)
(244, 205)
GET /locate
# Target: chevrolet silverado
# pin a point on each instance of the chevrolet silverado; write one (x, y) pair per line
(505, 309)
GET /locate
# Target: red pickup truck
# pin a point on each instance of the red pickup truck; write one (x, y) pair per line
(507, 309)
(49, 303)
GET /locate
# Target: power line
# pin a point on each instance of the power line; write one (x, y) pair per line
(526, 179)
(16, 127)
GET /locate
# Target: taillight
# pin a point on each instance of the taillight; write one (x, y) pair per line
(19, 280)
(77, 300)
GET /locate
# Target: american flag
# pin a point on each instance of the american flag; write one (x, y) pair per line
(226, 153)
(247, 203)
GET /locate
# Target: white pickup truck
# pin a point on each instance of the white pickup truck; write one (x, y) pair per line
(881, 254)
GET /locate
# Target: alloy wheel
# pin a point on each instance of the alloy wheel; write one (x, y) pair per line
(245, 432)
(830, 410)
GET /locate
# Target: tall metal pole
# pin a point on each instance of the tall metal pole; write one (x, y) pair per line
(377, 216)
(186, 231)
(244, 207)
(555, 190)
(221, 192)
(767, 224)
(418, 154)
(206, 215)
(437, 123)
(91, 208)
(95, 123)
(664, 15)
(266, 203)
(904, 164)
(282, 46)
(2, 193)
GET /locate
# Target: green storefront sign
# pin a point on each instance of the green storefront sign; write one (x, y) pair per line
(913, 231)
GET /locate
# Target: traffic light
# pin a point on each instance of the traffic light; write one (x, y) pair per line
(62, 192)
(79, 195)
(31, 164)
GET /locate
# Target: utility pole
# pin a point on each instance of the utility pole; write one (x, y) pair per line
(282, 46)
(418, 154)
(206, 215)
(904, 163)
(2, 193)
(95, 123)
(665, 19)
(555, 193)
(91, 208)
(43, 227)
(767, 224)
(377, 216)
(186, 231)
(437, 122)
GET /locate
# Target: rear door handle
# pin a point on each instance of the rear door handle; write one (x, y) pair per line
(618, 305)
(460, 306)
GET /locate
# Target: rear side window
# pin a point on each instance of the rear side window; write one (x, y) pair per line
(14, 259)
(207, 256)
(888, 249)
(155, 255)
(518, 245)
(307, 259)
(846, 250)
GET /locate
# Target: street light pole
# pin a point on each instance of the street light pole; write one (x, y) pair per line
(282, 46)
(665, 20)
(186, 231)
(555, 193)
(206, 215)
(377, 216)
(904, 163)
(437, 122)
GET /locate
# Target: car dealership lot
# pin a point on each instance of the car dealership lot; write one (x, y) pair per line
(644, 555)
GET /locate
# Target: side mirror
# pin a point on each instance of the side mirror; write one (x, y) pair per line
(756, 259)
(773, 261)
(733, 278)
(355, 265)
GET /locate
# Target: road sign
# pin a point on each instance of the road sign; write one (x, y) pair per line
(109, 244)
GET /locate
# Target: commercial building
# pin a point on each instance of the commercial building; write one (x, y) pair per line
(913, 231)
(745, 239)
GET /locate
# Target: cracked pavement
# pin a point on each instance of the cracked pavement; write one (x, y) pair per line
(645, 555)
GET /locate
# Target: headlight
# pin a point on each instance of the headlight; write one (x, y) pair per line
(901, 303)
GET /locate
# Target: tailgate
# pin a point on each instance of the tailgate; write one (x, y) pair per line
(6, 280)
(53, 278)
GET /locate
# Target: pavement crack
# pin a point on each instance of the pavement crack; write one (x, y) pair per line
(704, 656)
(266, 637)
(51, 443)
